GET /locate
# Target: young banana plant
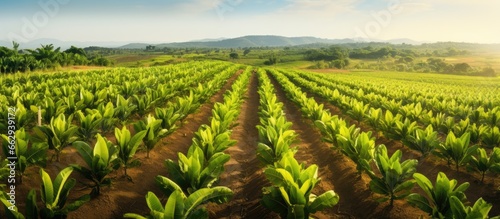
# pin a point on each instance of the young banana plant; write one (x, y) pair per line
(124, 108)
(423, 141)
(89, 125)
(329, 126)
(27, 155)
(359, 147)
(100, 162)
(437, 201)
(154, 132)
(180, 206)
(106, 113)
(52, 109)
(210, 142)
(168, 118)
(274, 140)
(12, 212)
(58, 134)
(480, 209)
(144, 103)
(490, 137)
(55, 193)
(127, 145)
(193, 172)
(393, 183)
(358, 110)
(291, 194)
(456, 149)
(483, 163)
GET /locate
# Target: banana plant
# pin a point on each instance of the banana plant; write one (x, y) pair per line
(493, 118)
(51, 109)
(54, 194)
(124, 108)
(106, 113)
(456, 149)
(168, 117)
(89, 124)
(389, 121)
(403, 130)
(490, 137)
(144, 103)
(12, 212)
(359, 147)
(291, 194)
(480, 209)
(154, 132)
(358, 110)
(423, 141)
(100, 161)
(23, 116)
(180, 206)
(58, 134)
(393, 183)
(448, 125)
(275, 139)
(225, 115)
(193, 171)
(374, 117)
(461, 127)
(483, 163)
(187, 105)
(330, 127)
(27, 155)
(210, 142)
(436, 201)
(127, 145)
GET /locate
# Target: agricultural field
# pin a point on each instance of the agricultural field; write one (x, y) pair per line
(217, 139)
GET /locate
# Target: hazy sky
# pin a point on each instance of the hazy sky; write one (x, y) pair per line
(184, 20)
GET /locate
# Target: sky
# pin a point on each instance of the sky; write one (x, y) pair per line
(185, 20)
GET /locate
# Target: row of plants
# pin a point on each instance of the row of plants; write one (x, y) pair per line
(105, 157)
(129, 98)
(435, 103)
(290, 194)
(455, 150)
(391, 178)
(425, 88)
(483, 126)
(192, 180)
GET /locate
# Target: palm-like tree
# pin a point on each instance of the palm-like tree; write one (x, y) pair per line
(47, 54)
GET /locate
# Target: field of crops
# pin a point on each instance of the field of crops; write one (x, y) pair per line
(211, 139)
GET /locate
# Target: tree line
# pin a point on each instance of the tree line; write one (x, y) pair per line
(45, 57)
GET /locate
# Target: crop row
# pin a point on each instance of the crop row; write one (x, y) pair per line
(391, 178)
(290, 194)
(105, 157)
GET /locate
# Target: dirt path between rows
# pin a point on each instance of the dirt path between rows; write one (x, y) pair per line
(244, 173)
(338, 173)
(429, 166)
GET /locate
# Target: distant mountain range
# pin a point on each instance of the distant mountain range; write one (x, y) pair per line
(239, 42)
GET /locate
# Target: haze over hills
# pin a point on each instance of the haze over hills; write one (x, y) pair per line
(239, 42)
(259, 41)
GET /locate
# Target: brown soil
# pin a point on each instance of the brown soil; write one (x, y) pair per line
(338, 173)
(125, 196)
(243, 173)
(431, 165)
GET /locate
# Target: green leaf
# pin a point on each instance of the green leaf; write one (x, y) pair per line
(153, 202)
(325, 200)
(47, 188)
(217, 194)
(420, 202)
